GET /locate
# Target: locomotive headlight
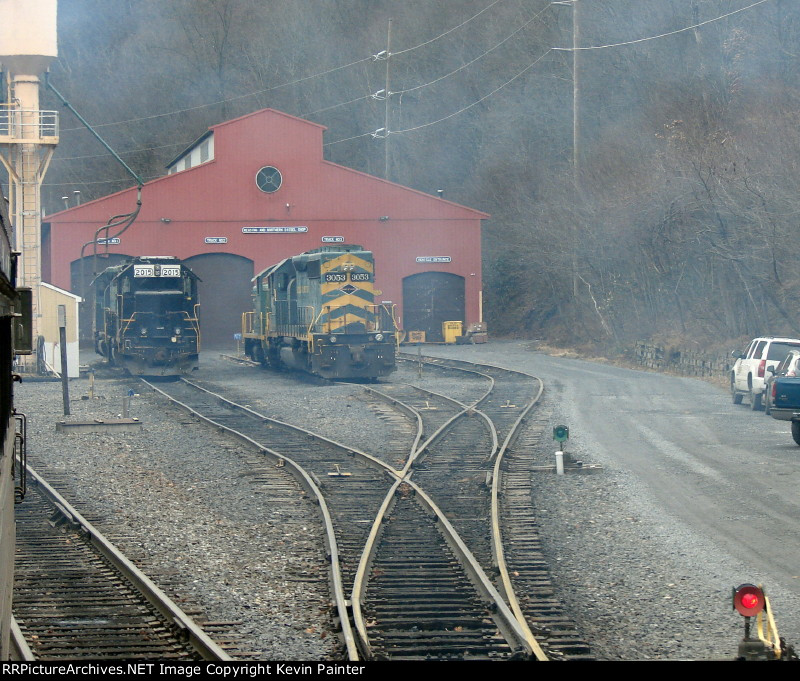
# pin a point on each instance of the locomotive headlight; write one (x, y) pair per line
(143, 331)
(178, 331)
(332, 339)
(379, 337)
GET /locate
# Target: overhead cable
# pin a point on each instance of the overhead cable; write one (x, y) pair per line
(481, 56)
(661, 35)
(282, 85)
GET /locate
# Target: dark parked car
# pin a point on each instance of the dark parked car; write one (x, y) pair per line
(789, 366)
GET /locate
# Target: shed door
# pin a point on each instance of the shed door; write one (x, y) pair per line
(431, 298)
(224, 293)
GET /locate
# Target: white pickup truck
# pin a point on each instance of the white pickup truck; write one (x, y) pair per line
(749, 373)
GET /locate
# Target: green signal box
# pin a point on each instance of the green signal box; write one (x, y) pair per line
(561, 433)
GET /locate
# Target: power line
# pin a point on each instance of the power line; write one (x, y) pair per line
(122, 179)
(481, 56)
(448, 32)
(282, 85)
(224, 101)
(469, 106)
(336, 106)
(348, 139)
(123, 153)
(563, 49)
(661, 35)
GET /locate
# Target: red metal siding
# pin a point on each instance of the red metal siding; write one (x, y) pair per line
(219, 198)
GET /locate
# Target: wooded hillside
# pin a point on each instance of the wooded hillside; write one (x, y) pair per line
(680, 219)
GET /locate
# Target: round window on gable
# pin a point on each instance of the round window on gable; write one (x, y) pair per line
(269, 179)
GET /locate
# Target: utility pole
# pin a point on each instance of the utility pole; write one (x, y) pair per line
(576, 135)
(576, 132)
(575, 94)
(386, 174)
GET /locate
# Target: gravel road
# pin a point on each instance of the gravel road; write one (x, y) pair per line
(696, 496)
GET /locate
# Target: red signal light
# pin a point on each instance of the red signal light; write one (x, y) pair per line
(748, 600)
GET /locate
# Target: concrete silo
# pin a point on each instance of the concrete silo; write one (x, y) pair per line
(28, 135)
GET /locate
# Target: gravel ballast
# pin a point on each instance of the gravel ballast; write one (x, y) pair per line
(233, 538)
(638, 585)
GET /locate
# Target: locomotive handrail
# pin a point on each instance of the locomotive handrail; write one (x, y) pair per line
(195, 322)
(247, 322)
(310, 331)
(251, 328)
(300, 327)
(20, 455)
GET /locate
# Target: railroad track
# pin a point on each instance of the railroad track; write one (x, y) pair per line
(77, 597)
(438, 512)
(421, 603)
(356, 492)
(517, 560)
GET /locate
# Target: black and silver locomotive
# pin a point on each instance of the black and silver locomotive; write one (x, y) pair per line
(317, 312)
(146, 316)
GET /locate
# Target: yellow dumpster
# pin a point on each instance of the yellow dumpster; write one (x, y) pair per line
(451, 330)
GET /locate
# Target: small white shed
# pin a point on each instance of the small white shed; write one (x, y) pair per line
(50, 297)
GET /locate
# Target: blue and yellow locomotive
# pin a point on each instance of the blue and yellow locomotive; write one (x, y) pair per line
(317, 312)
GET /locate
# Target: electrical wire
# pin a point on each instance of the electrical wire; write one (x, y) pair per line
(469, 106)
(121, 179)
(448, 32)
(561, 49)
(224, 101)
(123, 153)
(661, 35)
(348, 139)
(481, 56)
(423, 44)
(287, 84)
(336, 106)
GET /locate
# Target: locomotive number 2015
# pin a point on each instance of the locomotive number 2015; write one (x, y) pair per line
(151, 271)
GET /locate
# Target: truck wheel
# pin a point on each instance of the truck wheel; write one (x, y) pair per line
(796, 431)
(755, 401)
(737, 397)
